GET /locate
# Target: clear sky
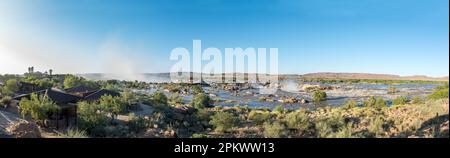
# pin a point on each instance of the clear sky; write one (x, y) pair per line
(403, 37)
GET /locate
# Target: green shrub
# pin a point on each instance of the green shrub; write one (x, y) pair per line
(224, 121)
(200, 136)
(332, 124)
(375, 102)
(375, 126)
(113, 105)
(137, 123)
(200, 101)
(350, 104)
(417, 100)
(278, 108)
(344, 132)
(319, 96)
(117, 131)
(159, 99)
(259, 117)
(74, 133)
(298, 120)
(6, 100)
(380, 103)
(323, 130)
(274, 130)
(440, 92)
(128, 98)
(175, 99)
(202, 115)
(336, 121)
(400, 101)
(370, 102)
(91, 116)
(197, 89)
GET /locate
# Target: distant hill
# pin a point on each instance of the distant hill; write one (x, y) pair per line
(330, 75)
(165, 77)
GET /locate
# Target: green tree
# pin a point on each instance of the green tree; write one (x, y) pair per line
(39, 107)
(112, 105)
(11, 87)
(71, 81)
(200, 101)
(91, 116)
(319, 96)
(129, 98)
(44, 83)
(223, 121)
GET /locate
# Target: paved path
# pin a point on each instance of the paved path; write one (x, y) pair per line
(6, 120)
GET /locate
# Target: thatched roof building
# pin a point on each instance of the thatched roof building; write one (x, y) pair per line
(98, 94)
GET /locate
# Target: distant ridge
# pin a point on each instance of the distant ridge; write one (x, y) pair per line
(332, 75)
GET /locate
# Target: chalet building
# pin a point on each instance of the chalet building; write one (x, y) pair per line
(90, 94)
(26, 88)
(66, 102)
(81, 91)
(67, 107)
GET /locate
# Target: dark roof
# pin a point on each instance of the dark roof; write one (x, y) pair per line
(98, 94)
(21, 83)
(79, 89)
(57, 96)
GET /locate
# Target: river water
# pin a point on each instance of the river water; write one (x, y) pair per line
(335, 97)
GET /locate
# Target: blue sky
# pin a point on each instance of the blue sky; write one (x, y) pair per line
(404, 37)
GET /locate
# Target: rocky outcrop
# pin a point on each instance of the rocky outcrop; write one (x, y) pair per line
(24, 129)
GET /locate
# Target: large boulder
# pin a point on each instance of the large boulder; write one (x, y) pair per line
(24, 129)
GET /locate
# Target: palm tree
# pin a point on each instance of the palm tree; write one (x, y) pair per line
(50, 72)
